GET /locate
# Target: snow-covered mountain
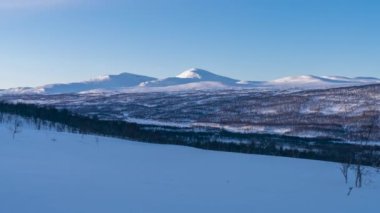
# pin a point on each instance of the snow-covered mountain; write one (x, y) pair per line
(312, 82)
(192, 76)
(108, 82)
(192, 79)
(311, 79)
(303, 79)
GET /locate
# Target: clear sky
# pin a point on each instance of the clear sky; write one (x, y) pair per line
(46, 41)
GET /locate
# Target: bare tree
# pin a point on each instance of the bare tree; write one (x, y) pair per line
(349, 191)
(359, 170)
(16, 127)
(345, 168)
(364, 152)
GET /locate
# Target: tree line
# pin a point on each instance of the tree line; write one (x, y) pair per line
(326, 149)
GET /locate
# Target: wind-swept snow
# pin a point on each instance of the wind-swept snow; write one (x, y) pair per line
(50, 172)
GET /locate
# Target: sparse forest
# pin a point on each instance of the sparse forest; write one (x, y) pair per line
(339, 113)
(326, 149)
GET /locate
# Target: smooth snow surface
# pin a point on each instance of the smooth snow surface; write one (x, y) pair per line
(49, 172)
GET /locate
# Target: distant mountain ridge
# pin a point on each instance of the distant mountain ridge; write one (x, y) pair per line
(193, 75)
(191, 79)
(110, 82)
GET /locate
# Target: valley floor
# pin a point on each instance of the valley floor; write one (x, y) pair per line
(50, 172)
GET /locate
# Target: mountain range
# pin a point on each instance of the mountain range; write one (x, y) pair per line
(192, 79)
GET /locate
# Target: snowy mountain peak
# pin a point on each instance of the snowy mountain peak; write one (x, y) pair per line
(194, 78)
(100, 78)
(204, 75)
(194, 73)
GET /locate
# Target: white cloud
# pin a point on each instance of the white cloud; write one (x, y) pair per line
(28, 4)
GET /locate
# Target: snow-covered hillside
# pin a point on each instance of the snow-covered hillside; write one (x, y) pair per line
(193, 75)
(316, 82)
(192, 79)
(101, 83)
(340, 113)
(111, 82)
(50, 172)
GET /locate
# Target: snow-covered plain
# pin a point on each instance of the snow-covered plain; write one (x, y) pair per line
(46, 171)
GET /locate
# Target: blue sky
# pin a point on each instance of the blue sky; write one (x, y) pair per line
(46, 41)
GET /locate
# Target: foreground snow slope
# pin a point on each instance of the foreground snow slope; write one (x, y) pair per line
(45, 171)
